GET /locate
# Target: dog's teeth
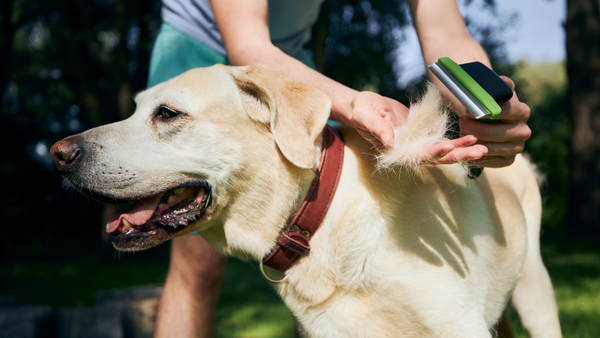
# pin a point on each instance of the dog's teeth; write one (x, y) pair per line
(179, 191)
(127, 224)
(171, 198)
(161, 205)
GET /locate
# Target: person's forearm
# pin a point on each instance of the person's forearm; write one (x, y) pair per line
(461, 49)
(340, 95)
(442, 33)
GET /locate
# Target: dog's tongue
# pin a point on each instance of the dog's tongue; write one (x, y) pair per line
(136, 216)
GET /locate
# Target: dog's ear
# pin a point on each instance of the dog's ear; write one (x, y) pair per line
(295, 112)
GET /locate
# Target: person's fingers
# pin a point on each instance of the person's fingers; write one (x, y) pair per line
(375, 116)
(459, 155)
(398, 113)
(508, 81)
(503, 149)
(514, 111)
(495, 132)
(440, 150)
(464, 141)
(375, 129)
(494, 161)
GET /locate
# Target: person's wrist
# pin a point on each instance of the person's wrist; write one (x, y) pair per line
(342, 108)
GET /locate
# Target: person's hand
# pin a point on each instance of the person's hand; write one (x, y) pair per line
(504, 138)
(375, 117)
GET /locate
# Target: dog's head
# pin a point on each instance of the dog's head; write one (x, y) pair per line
(216, 148)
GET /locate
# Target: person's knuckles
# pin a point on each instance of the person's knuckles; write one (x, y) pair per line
(516, 149)
(464, 141)
(515, 133)
(442, 151)
(482, 131)
(476, 153)
(524, 133)
(521, 111)
(504, 149)
(514, 112)
(495, 161)
(502, 161)
(496, 132)
(508, 81)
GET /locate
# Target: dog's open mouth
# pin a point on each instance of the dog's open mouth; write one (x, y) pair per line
(155, 219)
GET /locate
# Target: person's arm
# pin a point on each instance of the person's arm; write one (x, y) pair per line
(442, 32)
(244, 27)
(191, 291)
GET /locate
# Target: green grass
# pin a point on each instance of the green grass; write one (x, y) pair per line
(576, 279)
(249, 307)
(74, 282)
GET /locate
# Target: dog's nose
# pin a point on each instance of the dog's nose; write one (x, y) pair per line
(65, 154)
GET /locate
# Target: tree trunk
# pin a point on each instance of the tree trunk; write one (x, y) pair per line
(6, 39)
(583, 69)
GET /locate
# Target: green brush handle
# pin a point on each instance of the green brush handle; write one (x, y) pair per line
(473, 87)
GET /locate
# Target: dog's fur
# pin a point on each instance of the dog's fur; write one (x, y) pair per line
(401, 253)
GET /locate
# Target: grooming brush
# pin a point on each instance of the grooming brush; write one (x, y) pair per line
(477, 87)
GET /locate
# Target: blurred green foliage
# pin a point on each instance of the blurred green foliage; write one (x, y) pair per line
(544, 88)
(66, 66)
(361, 43)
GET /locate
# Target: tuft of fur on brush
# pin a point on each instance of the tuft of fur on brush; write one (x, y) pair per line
(428, 121)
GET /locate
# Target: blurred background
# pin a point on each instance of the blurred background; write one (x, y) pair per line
(70, 65)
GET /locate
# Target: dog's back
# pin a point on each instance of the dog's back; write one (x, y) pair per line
(425, 252)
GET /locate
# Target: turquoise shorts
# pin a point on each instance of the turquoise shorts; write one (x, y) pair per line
(174, 53)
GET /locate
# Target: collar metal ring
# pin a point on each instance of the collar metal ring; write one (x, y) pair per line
(271, 280)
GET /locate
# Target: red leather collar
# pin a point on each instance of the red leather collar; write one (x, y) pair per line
(293, 239)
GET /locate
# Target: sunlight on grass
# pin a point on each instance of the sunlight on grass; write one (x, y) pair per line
(540, 80)
(576, 280)
(255, 321)
(578, 294)
(250, 308)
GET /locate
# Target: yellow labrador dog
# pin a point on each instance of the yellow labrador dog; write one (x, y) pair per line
(232, 153)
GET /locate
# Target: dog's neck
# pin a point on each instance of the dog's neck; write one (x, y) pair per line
(251, 228)
(293, 239)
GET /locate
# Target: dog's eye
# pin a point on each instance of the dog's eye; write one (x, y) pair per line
(166, 113)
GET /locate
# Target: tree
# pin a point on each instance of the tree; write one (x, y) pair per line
(583, 70)
(356, 43)
(65, 66)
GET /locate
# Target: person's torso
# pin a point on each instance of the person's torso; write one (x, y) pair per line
(290, 22)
